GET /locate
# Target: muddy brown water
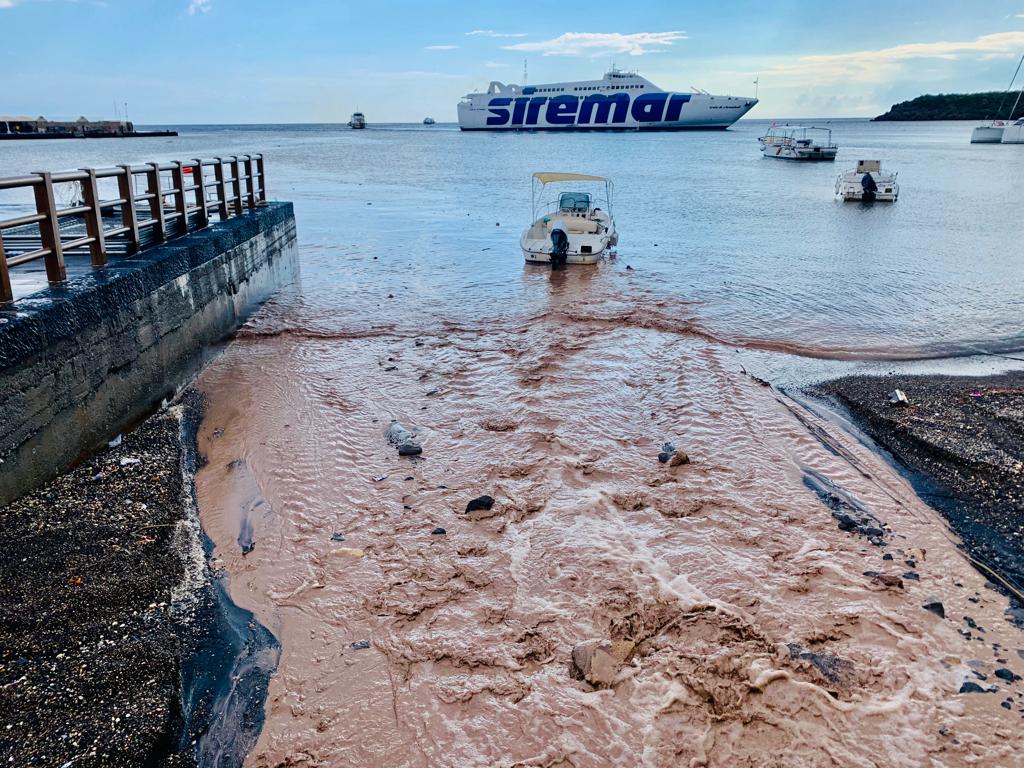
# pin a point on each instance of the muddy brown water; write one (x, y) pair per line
(759, 640)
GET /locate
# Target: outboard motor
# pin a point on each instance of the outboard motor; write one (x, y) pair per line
(559, 248)
(869, 187)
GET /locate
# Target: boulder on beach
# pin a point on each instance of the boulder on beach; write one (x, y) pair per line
(403, 440)
(600, 661)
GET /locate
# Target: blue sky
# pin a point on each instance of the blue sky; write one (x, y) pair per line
(246, 61)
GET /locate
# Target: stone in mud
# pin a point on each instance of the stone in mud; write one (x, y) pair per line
(899, 398)
(480, 503)
(599, 661)
(438, 532)
(936, 607)
(888, 580)
(1005, 674)
(679, 458)
(337, 536)
(971, 687)
(667, 452)
(360, 645)
(402, 439)
(911, 576)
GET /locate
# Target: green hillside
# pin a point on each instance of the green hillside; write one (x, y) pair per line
(956, 106)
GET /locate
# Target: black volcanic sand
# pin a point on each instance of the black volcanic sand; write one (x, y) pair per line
(962, 438)
(89, 662)
(98, 665)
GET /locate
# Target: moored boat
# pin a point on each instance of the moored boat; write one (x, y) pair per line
(798, 142)
(358, 120)
(571, 228)
(867, 183)
(994, 131)
(988, 134)
(1014, 132)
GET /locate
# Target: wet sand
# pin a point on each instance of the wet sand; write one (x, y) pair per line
(753, 629)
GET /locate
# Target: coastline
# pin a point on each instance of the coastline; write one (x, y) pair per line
(961, 441)
(118, 643)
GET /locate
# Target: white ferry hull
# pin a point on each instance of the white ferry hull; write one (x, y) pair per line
(658, 111)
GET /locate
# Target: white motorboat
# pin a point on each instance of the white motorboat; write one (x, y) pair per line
(988, 134)
(1014, 132)
(358, 120)
(868, 183)
(569, 227)
(798, 142)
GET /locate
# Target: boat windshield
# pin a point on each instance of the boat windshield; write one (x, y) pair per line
(574, 202)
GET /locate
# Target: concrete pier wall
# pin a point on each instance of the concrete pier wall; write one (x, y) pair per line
(85, 361)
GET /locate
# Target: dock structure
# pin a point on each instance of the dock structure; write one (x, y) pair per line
(116, 286)
(147, 206)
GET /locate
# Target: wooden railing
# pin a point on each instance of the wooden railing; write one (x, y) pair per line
(177, 198)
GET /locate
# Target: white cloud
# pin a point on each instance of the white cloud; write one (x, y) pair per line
(882, 64)
(600, 44)
(492, 33)
(198, 6)
(6, 3)
(440, 47)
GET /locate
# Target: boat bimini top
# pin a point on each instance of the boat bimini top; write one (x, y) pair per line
(573, 203)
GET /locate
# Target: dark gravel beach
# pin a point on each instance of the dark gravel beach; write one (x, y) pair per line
(89, 661)
(963, 440)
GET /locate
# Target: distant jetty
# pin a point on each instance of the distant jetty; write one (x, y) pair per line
(82, 128)
(955, 106)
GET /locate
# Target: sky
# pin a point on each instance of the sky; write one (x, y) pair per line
(268, 61)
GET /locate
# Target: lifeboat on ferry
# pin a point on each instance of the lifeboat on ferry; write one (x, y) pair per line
(570, 226)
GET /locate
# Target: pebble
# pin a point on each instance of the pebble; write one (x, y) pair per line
(438, 532)
(480, 503)
(936, 607)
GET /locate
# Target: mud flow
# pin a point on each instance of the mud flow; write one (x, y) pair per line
(761, 605)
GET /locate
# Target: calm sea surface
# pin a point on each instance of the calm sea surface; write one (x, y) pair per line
(745, 249)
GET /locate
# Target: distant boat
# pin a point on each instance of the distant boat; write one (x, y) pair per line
(358, 120)
(994, 131)
(428, 121)
(798, 142)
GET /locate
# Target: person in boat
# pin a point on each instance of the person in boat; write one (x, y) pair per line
(559, 245)
(868, 186)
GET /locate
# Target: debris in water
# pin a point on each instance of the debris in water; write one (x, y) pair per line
(899, 398)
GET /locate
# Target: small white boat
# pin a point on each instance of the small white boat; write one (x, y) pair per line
(358, 120)
(570, 227)
(428, 121)
(988, 134)
(1014, 132)
(868, 182)
(798, 142)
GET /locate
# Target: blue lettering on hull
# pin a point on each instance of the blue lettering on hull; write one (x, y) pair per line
(595, 109)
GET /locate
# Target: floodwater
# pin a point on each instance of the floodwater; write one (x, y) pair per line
(755, 635)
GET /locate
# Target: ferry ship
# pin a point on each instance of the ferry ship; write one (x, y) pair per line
(618, 101)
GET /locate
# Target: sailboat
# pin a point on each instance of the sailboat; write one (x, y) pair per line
(994, 131)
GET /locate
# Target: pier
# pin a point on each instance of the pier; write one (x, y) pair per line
(109, 303)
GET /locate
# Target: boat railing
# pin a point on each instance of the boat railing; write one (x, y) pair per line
(176, 198)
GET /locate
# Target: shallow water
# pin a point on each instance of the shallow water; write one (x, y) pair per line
(553, 392)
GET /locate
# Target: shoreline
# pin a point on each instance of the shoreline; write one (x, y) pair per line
(960, 442)
(119, 645)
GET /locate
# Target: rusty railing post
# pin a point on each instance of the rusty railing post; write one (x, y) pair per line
(180, 207)
(156, 202)
(222, 189)
(126, 189)
(250, 194)
(197, 179)
(263, 179)
(49, 228)
(94, 219)
(6, 294)
(236, 185)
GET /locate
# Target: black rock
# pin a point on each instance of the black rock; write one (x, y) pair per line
(438, 532)
(935, 607)
(409, 449)
(870, 531)
(969, 687)
(248, 547)
(887, 556)
(479, 503)
(1005, 705)
(361, 645)
(667, 451)
(1005, 674)
(912, 575)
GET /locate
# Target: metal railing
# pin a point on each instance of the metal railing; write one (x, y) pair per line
(177, 198)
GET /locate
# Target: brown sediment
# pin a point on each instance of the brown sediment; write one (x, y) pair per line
(762, 633)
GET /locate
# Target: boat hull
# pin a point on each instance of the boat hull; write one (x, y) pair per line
(1013, 134)
(811, 154)
(987, 134)
(661, 111)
